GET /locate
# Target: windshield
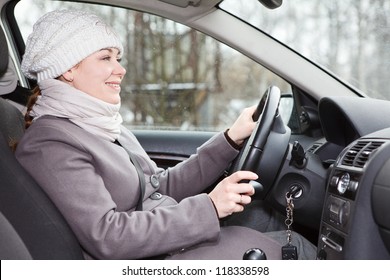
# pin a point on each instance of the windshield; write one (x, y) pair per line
(351, 38)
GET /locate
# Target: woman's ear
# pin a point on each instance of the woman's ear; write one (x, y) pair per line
(68, 76)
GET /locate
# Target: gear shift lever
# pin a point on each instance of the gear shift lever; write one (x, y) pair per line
(254, 254)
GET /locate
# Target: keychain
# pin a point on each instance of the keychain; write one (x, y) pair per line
(289, 251)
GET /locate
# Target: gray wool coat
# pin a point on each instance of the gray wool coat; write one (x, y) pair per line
(96, 187)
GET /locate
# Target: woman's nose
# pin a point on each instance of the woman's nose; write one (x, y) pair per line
(120, 70)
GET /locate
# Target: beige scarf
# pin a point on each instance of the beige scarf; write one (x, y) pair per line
(90, 113)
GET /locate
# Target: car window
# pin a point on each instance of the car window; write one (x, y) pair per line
(350, 38)
(177, 78)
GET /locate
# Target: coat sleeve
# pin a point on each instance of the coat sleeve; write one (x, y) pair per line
(65, 169)
(201, 170)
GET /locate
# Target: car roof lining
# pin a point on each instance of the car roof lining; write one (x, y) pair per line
(182, 14)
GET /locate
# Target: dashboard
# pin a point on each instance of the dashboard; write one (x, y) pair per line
(355, 222)
(345, 119)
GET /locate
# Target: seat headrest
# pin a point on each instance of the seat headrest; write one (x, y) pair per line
(8, 76)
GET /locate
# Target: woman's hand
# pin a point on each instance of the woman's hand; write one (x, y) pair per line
(243, 126)
(230, 196)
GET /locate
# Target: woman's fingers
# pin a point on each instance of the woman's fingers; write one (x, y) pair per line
(233, 193)
(242, 175)
(240, 182)
(243, 126)
(244, 199)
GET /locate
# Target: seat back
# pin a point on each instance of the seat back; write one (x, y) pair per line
(25, 206)
(42, 228)
(11, 122)
(12, 246)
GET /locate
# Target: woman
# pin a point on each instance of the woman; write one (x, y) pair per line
(77, 150)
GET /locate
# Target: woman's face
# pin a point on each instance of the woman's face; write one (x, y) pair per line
(100, 75)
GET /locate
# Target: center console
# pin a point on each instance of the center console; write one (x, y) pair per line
(341, 197)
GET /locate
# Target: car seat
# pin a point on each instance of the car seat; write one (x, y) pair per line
(12, 246)
(24, 207)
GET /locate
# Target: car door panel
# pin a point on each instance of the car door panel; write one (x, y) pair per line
(167, 148)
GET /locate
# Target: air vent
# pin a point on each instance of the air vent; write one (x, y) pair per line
(314, 147)
(360, 153)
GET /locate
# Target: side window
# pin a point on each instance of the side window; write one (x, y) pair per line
(177, 78)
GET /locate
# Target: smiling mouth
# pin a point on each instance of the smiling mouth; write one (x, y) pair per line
(114, 86)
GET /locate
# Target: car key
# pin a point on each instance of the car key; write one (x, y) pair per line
(289, 251)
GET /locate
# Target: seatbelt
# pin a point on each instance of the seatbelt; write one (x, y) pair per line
(140, 173)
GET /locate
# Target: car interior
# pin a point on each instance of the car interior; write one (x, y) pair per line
(332, 155)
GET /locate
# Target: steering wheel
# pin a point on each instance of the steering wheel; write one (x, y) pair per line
(265, 150)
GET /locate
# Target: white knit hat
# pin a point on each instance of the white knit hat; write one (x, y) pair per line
(61, 39)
